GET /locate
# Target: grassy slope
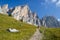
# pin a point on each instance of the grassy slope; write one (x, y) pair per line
(6, 22)
(50, 33)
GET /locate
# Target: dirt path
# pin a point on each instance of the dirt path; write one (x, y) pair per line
(37, 35)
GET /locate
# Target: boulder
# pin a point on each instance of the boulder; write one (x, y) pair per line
(13, 30)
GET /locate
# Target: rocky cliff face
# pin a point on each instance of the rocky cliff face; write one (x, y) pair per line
(25, 14)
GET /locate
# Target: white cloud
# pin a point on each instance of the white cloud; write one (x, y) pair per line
(58, 19)
(54, 1)
(58, 3)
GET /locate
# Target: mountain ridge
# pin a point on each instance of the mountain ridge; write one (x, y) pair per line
(24, 14)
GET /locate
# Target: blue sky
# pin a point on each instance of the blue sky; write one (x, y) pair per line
(41, 7)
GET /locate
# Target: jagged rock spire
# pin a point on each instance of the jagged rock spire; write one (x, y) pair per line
(4, 9)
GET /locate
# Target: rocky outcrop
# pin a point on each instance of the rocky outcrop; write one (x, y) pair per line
(4, 9)
(16, 12)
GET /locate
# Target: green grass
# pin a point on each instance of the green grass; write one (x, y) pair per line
(25, 30)
(50, 33)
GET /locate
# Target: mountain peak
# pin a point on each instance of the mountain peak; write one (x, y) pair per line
(5, 6)
(50, 21)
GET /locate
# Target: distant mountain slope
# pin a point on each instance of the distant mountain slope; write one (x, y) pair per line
(50, 21)
(26, 30)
